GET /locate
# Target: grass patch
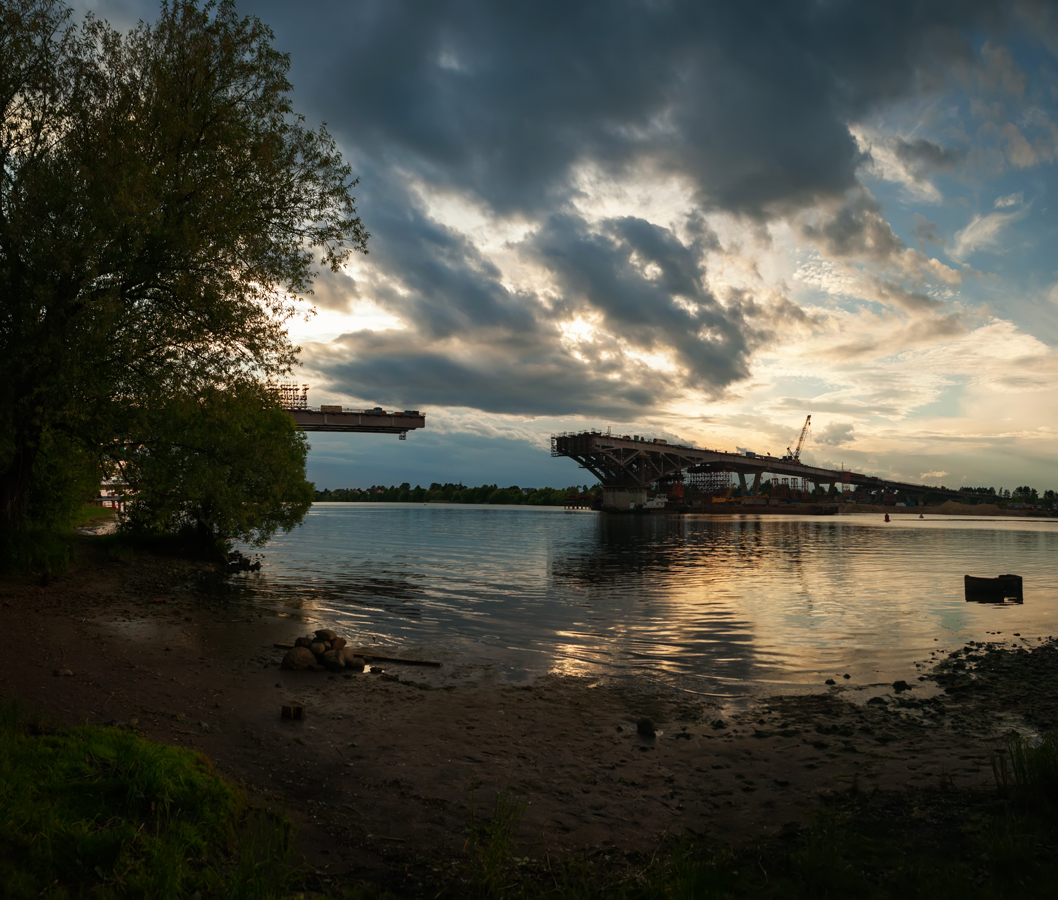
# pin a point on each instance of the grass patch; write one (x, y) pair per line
(1027, 768)
(92, 515)
(101, 813)
(38, 550)
(491, 863)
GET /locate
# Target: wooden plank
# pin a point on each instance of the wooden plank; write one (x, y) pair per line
(368, 654)
(283, 645)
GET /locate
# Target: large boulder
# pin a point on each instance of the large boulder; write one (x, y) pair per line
(304, 641)
(319, 648)
(298, 658)
(325, 634)
(338, 643)
(351, 660)
(333, 661)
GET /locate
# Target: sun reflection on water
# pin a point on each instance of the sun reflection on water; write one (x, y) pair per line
(715, 604)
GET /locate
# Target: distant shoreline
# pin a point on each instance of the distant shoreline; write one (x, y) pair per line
(948, 508)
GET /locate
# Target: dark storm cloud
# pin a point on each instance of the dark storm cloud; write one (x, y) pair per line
(748, 104)
(649, 288)
(856, 228)
(749, 101)
(538, 380)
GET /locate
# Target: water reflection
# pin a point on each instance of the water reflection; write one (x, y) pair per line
(723, 604)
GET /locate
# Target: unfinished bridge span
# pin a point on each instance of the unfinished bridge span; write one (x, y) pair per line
(627, 466)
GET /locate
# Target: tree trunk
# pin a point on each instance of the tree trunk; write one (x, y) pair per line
(14, 487)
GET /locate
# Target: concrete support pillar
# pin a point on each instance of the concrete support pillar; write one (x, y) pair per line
(623, 499)
(755, 490)
(742, 482)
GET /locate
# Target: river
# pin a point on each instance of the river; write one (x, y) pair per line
(720, 606)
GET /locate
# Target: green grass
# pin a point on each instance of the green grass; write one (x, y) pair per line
(92, 514)
(491, 863)
(1027, 768)
(46, 550)
(35, 550)
(101, 813)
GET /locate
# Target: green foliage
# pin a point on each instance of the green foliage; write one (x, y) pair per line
(161, 206)
(102, 813)
(65, 476)
(215, 467)
(35, 550)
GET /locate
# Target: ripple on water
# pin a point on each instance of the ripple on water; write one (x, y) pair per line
(718, 605)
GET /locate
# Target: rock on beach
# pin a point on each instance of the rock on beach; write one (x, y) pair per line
(298, 658)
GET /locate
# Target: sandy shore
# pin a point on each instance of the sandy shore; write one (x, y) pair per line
(388, 766)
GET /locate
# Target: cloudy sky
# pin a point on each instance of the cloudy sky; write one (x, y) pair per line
(701, 221)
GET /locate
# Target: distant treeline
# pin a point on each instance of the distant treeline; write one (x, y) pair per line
(456, 493)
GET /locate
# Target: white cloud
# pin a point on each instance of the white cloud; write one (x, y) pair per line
(1010, 200)
(984, 232)
(938, 474)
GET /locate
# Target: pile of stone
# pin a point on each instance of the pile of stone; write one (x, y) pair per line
(322, 650)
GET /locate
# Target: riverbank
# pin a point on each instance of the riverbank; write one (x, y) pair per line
(402, 764)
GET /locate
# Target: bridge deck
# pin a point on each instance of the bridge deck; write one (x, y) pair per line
(361, 420)
(625, 462)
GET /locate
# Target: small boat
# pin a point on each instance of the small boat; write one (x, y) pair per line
(993, 590)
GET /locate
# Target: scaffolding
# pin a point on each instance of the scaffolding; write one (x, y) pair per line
(708, 481)
(292, 395)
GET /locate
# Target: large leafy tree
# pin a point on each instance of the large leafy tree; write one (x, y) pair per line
(161, 207)
(214, 466)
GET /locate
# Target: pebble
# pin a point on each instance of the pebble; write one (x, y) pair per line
(900, 686)
(63, 673)
(830, 681)
(646, 727)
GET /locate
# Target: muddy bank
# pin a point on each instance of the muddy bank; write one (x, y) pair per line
(400, 762)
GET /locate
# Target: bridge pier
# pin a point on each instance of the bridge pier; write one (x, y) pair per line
(623, 498)
(755, 490)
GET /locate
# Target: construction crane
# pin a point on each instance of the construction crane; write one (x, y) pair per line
(795, 456)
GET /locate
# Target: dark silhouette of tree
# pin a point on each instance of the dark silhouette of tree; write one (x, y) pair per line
(161, 206)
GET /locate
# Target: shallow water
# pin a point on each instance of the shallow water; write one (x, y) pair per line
(717, 605)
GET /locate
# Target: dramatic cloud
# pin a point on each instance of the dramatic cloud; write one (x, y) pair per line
(711, 216)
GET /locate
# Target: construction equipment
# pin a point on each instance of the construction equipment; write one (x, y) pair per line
(795, 456)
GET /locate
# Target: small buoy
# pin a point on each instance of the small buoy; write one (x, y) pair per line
(887, 517)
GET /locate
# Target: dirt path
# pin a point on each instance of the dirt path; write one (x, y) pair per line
(386, 766)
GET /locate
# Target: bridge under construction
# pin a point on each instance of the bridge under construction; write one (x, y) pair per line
(628, 465)
(294, 399)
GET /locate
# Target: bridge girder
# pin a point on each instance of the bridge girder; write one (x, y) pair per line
(634, 464)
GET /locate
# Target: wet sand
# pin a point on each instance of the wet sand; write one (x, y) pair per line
(389, 766)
